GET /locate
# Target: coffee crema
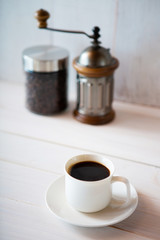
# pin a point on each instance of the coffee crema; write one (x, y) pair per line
(89, 171)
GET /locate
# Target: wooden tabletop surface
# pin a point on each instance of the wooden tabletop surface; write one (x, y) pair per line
(34, 148)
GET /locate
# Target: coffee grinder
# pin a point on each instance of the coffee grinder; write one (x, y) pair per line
(95, 77)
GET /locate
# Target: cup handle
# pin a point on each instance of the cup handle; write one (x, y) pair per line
(126, 182)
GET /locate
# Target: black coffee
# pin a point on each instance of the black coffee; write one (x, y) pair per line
(89, 171)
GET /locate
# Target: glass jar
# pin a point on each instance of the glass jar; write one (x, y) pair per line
(46, 69)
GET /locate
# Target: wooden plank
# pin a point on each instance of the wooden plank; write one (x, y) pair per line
(51, 158)
(110, 139)
(149, 223)
(24, 184)
(22, 221)
(137, 48)
(23, 190)
(133, 135)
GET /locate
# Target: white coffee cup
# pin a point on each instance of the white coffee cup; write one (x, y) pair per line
(91, 196)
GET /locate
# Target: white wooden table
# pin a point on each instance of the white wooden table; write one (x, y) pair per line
(33, 150)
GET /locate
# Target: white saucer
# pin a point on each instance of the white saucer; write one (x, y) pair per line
(56, 202)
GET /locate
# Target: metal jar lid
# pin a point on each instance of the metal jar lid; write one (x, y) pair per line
(95, 61)
(45, 58)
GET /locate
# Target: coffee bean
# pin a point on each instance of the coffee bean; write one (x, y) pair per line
(46, 93)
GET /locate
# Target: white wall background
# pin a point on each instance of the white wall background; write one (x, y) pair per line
(130, 28)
